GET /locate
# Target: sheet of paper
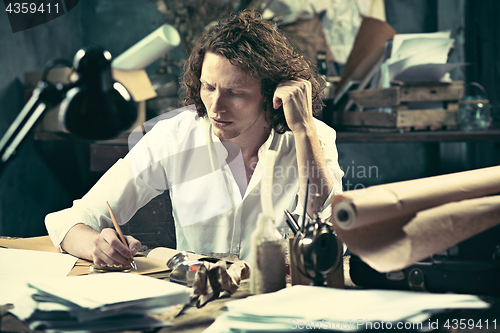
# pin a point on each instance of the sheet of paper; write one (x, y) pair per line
(116, 324)
(429, 72)
(419, 57)
(279, 311)
(438, 54)
(412, 43)
(25, 264)
(41, 243)
(98, 290)
(50, 317)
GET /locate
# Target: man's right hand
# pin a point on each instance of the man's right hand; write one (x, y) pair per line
(109, 250)
(104, 248)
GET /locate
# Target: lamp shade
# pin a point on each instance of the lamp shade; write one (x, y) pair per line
(97, 107)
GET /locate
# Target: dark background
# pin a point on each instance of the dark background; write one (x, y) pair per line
(46, 176)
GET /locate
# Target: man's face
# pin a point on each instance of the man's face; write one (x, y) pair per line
(232, 98)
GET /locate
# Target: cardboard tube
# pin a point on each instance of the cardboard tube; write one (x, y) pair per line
(359, 208)
(396, 244)
(150, 48)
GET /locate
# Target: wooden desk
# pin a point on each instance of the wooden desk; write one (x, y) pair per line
(187, 320)
(194, 320)
(191, 320)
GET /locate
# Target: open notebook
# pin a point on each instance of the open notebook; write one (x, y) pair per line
(153, 264)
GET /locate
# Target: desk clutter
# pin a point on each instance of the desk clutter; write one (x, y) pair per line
(436, 234)
(53, 291)
(98, 302)
(396, 82)
(332, 309)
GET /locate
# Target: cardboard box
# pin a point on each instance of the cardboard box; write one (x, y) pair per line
(136, 81)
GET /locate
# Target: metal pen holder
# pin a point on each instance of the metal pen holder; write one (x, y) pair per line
(316, 253)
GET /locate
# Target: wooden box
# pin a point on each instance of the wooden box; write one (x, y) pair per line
(408, 107)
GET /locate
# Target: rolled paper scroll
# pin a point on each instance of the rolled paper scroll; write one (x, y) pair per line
(392, 226)
(148, 49)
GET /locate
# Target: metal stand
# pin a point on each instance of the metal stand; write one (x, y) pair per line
(45, 96)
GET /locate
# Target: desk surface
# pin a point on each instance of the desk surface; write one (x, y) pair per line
(194, 320)
(190, 320)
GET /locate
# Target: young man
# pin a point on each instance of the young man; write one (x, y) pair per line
(249, 92)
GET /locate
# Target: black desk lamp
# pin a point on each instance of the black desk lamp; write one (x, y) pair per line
(94, 107)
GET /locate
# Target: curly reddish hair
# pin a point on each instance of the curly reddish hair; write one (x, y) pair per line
(258, 48)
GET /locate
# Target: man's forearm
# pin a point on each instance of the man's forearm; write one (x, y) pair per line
(79, 241)
(312, 166)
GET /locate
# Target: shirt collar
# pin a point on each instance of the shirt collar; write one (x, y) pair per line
(265, 146)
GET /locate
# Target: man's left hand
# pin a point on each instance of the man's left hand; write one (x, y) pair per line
(295, 96)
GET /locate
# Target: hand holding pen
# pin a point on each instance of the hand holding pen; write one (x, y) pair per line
(120, 233)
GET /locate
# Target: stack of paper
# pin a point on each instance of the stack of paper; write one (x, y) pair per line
(307, 307)
(19, 265)
(418, 58)
(98, 302)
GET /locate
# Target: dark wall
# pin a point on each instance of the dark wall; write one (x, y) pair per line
(483, 46)
(117, 25)
(412, 16)
(29, 188)
(45, 176)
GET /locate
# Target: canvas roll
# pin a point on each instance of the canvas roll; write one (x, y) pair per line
(402, 200)
(150, 48)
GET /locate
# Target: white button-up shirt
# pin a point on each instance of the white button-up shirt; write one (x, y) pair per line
(213, 207)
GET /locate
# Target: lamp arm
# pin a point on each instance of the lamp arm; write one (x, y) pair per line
(44, 96)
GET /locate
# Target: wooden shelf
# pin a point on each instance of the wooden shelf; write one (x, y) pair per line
(419, 136)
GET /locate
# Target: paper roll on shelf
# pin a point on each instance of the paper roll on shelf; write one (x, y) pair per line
(358, 208)
(147, 50)
(345, 214)
(395, 245)
(392, 226)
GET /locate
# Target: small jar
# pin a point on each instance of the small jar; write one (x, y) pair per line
(475, 111)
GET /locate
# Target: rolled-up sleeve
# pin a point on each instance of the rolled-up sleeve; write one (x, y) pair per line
(124, 192)
(327, 137)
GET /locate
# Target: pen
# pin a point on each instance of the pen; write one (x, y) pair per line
(305, 205)
(290, 220)
(120, 233)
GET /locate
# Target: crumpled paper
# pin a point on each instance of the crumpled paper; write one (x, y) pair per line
(213, 280)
